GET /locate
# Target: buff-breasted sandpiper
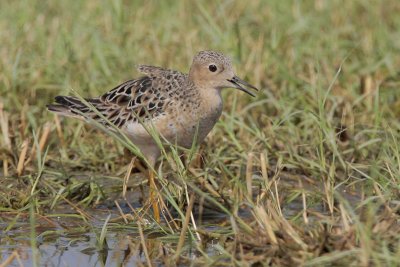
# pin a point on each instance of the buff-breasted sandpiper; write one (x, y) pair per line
(180, 107)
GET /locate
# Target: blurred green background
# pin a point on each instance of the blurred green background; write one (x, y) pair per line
(328, 113)
(48, 47)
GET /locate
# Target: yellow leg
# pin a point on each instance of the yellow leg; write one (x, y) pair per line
(127, 175)
(153, 196)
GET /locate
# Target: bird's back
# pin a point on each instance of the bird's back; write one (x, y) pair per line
(137, 100)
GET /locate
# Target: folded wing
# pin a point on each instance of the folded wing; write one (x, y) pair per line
(131, 101)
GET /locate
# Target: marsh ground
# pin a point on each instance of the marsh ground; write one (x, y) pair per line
(307, 173)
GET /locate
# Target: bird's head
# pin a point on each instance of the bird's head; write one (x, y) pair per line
(214, 70)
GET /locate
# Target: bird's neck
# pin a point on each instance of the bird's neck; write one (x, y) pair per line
(211, 100)
(210, 97)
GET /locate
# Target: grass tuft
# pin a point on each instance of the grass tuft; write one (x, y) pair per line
(304, 174)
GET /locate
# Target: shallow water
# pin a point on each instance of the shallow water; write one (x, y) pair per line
(63, 241)
(60, 248)
(68, 241)
(65, 251)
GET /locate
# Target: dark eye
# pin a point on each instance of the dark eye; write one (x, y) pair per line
(212, 68)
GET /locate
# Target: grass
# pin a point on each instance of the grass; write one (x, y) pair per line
(307, 173)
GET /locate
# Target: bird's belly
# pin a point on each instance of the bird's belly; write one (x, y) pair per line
(189, 128)
(179, 128)
(139, 135)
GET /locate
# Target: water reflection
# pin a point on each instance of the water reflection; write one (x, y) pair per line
(121, 250)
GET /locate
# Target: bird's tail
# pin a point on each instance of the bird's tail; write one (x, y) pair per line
(71, 106)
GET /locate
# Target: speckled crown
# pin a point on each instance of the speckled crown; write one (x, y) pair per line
(207, 56)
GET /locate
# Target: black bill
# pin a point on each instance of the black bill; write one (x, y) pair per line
(241, 85)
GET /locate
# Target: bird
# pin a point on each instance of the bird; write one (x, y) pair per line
(182, 107)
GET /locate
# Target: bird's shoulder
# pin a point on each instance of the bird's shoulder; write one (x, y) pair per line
(163, 75)
(156, 84)
(142, 98)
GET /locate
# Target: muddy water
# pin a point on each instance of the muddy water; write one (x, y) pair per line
(67, 252)
(79, 247)
(71, 244)
(68, 241)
